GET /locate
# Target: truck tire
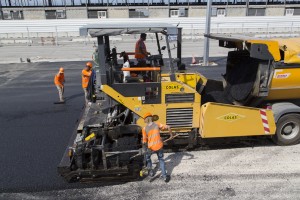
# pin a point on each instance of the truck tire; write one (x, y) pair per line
(287, 130)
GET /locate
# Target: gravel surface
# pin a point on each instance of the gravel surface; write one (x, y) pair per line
(269, 172)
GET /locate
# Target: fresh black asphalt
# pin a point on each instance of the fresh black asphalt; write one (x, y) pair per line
(35, 132)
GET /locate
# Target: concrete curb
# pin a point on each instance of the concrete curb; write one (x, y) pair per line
(43, 60)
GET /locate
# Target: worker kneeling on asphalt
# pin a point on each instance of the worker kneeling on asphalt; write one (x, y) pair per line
(59, 81)
(86, 74)
(152, 143)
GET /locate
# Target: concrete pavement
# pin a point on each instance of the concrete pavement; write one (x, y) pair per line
(80, 51)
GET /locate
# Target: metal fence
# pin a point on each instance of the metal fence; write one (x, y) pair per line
(192, 27)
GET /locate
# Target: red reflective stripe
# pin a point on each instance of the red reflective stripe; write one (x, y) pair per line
(263, 112)
(264, 119)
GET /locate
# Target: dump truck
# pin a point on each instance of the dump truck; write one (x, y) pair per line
(257, 96)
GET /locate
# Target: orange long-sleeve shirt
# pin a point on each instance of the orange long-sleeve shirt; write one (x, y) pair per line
(59, 79)
(85, 77)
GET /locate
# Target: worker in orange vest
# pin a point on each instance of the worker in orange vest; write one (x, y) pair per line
(141, 52)
(154, 144)
(59, 81)
(86, 74)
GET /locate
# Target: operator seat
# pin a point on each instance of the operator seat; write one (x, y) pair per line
(238, 84)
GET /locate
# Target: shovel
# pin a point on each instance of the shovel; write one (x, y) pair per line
(171, 138)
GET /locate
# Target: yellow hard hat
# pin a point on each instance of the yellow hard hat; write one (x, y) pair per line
(89, 64)
(61, 70)
(148, 114)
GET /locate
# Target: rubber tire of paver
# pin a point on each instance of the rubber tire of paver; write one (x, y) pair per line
(293, 121)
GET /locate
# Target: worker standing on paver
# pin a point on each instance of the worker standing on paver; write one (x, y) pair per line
(153, 143)
(126, 64)
(59, 81)
(141, 52)
(86, 74)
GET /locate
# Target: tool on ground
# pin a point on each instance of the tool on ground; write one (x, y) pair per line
(59, 102)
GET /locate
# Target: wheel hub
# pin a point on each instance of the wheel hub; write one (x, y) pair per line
(290, 130)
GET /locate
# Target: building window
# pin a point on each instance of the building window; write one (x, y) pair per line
(291, 2)
(292, 11)
(174, 13)
(138, 13)
(7, 15)
(271, 2)
(97, 14)
(60, 14)
(102, 14)
(296, 11)
(151, 93)
(289, 11)
(13, 15)
(50, 14)
(181, 12)
(256, 11)
(55, 14)
(221, 12)
(92, 14)
(218, 12)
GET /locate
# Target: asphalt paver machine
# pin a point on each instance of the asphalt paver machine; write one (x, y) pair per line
(107, 140)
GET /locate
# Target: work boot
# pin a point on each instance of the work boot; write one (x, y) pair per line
(166, 178)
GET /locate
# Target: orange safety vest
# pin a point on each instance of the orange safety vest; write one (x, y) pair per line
(140, 47)
(151, 134)
(59, 79)
(85, 78)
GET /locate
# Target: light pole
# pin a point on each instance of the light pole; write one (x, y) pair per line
(207, 32)
(1, 13)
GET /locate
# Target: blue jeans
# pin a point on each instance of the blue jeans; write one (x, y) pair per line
(160, 156)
